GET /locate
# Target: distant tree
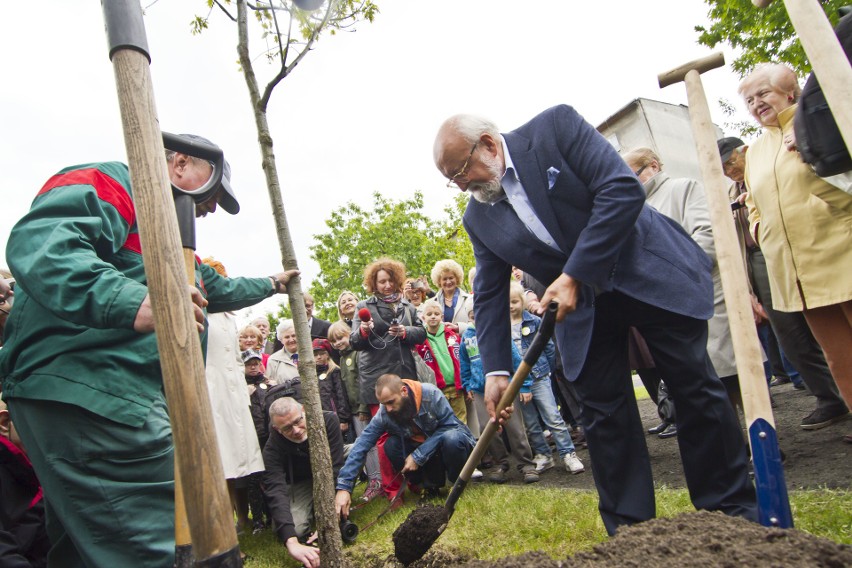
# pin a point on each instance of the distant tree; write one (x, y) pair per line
(359, 234)
(275, 318)
(761, 34)
(744, 128)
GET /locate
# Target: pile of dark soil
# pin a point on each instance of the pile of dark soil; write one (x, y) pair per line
(815, 458)
(698, 539)
(690, 539)
(416, 535)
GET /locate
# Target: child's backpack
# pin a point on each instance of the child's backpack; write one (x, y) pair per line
(818, 139)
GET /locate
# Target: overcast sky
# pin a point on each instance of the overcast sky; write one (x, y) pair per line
(357, 116)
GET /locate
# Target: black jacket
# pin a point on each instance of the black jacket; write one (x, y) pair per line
(286, 463)
(23, 539)
(333, 395)
(381, 353)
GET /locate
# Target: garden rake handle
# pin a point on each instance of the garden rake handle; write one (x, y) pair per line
(545, 332)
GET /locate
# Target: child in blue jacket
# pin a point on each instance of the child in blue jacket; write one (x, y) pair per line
(538, 404)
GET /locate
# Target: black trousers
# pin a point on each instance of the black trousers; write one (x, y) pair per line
(711, 443)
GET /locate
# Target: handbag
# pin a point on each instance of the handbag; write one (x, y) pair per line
(425, 374)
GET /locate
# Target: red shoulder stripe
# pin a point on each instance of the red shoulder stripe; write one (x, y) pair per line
(133, 243)
(108, 189)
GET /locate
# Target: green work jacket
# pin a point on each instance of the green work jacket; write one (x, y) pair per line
(77, 260)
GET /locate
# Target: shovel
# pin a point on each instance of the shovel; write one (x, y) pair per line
(415, 536)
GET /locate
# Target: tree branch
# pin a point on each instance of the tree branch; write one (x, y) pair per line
(225, 10)
(287, 69)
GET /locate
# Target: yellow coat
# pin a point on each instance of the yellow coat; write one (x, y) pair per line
(802, 223)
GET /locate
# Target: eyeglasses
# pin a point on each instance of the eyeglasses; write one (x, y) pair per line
(638, 172)
(288, 428)
(461, 173)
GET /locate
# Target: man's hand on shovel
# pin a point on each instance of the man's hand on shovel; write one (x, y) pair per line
(564, 291)
(495, 386)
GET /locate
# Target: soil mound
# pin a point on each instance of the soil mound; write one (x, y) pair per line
(700, 538)
(697, 539)
(415, 536)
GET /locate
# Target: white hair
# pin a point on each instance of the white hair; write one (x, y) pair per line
(283, 326)
(283, 406)
(472, 127)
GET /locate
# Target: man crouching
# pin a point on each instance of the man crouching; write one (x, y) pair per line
(425, 440)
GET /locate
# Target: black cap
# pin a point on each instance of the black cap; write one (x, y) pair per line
(727, 146)
(228, 200)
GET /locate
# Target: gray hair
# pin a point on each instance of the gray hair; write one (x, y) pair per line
(471, 127)
(780, 77)
(641, 157)
(283, 406)
(283, 326)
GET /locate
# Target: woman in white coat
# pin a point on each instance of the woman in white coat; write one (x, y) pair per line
(229, 400)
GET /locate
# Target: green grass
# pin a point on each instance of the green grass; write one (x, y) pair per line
(493, 521)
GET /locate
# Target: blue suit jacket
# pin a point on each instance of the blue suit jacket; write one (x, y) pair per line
(608, 238)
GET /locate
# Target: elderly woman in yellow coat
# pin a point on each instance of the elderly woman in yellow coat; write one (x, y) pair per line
(802, 223)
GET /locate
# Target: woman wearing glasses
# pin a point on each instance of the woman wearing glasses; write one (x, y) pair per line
(802, 224)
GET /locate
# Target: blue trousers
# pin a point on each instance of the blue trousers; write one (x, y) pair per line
(445, 464)
(543, 404)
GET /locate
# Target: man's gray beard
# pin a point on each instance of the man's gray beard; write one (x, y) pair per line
(486, 192)
(489, 192)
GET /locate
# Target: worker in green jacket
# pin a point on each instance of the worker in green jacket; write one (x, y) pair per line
(80, 369)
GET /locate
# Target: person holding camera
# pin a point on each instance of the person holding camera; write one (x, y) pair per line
(416, 291)
(287, 482)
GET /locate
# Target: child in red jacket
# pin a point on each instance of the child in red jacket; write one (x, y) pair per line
(440, 351)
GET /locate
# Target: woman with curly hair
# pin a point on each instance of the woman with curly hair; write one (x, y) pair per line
(448, 275)
(385, 341)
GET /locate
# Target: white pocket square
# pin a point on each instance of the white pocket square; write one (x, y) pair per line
(552, 174)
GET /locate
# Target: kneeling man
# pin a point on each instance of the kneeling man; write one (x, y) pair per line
(288, 482)
(425, 440)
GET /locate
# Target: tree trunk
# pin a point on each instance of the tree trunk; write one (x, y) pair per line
(328, 529)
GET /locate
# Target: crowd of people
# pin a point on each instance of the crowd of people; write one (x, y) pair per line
(407, 375)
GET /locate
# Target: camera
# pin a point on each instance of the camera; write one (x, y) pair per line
(348, 531)
(736, 205)
(394, 322)
(417, 284)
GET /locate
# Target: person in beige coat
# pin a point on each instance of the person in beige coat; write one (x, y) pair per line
(282, 366)
(683, 201)
(802, 223)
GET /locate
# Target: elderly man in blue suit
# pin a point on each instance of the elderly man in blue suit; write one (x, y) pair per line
(555, 199)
